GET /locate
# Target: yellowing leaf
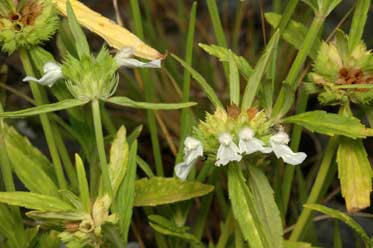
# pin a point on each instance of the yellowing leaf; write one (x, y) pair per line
(114, 34)
(355, 173)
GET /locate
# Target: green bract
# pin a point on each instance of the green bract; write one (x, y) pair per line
(29, 23)
(231, 121)
(89, 77)
(342, 75)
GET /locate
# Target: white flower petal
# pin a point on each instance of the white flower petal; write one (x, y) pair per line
(282, 150)
(52, 73)
(124, 58)
(182, 170)
(248, 144)
(228, 151)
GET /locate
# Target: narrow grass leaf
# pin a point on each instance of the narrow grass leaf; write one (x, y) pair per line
(355, 174)
(266, 206)
(42, 109)
(83, 184)
(358, 23)
(234, 81)
(241, 207)
(7, 226)
(34, 201)
(134, 134)
(294, 33)
(223, 55)
(158, 191)
(342, 217)
(255, 79)
(57, 215)
(209, 91)
(118, 159)
(330, 124)
(337, 237)
(293, 244)
(125, 197)
(82, 46)
(126, 102)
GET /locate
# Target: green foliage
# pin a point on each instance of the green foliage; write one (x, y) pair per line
(355, 174)
(158, 191)
(126, 102)
(83, 184)
(330, 124)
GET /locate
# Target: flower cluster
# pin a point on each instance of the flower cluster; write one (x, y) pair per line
(228, 137)
(340, 73)
(26, 23)
(89, 230)
(91, 77)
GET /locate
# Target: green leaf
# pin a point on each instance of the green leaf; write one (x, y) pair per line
(201, 81)
(7, 226)
(293, 244)
(126, 102)
(46, 108)
(134, 135)
(112, 236)
(125, 198)
(49, 240)
(294, 33)
(118, 159)
(255, 79)
(59, 215)
(234, 81)
(242, 207)
(34, 201)
(342, 217)
(355, 174)
(266, 207)
(158, 191)
(223, 55)
(31, 167)
(82, 46)
(166, 227)
(83, 184)
(330, 124)
(358, 23)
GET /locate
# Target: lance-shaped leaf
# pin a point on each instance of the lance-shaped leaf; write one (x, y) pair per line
(243, 205)
(358, 23)
(83, 184)
(293, 244)
(330, 124)
(166, 227)
(355, 174)
(31, 167)
(294, 33)
(7, 226)
(59, 215)
(342, 217)
(266, 206)
(42, 109)
(34, 201)
(158, 191)
(256, 77)
(115, 35)
(209, 91)
(126, 102)
(223, 55)
(118, 159)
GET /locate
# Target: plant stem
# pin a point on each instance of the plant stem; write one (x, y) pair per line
(101, 147)
(37, 94)
(315, 194)
(286, 97)
(226, 231)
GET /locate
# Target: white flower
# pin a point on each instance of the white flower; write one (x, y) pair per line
(248, 144)
(228, 151)
(52, 73)
(279, 145)
(192, 150)
(124, 58)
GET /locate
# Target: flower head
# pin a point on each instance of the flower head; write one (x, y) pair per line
(280, 148)
(248, 144)
(26, 23)
(125, 58)
(192, 150)
(52, 73)
(228, 150)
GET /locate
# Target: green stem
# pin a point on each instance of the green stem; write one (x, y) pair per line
(316, 190)
(295, 140)
(286, 97)
(226, 231)
(288, 12)
(101, 147)
(37, 94)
